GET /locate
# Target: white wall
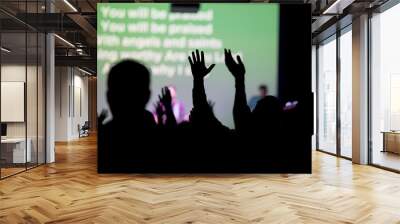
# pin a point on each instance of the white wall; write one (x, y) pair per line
(13, 101)
(12, 73)
(71, 94)
(80, 97)
(62, 81)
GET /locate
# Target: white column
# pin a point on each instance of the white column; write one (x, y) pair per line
(50, 99)
(360, 90)
(50, 92)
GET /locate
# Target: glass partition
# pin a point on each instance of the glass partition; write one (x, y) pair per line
(15, 150)
(22, 89)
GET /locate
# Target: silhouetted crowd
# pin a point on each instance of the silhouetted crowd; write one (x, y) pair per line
(264, 139)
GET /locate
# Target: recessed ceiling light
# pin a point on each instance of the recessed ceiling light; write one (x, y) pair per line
(337, 7)
(329, 9)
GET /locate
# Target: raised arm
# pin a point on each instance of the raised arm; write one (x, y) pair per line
(158, 113)
(241, 111)
(166, 101)
(199, 71)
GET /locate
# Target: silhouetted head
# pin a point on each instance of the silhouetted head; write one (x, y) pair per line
(128, 88)
(263, 90)
(267, 112)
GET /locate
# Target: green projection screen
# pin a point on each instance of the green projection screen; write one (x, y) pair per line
(162, 39)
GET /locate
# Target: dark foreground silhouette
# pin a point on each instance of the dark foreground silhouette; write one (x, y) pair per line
(264, 140)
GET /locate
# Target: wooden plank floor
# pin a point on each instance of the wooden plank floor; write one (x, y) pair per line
(70, 191)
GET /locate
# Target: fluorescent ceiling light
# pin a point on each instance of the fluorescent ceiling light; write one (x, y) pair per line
(65, 41)
(70, 5)
(329, 9)
(5, 50)
(338, 6)
(84, 71)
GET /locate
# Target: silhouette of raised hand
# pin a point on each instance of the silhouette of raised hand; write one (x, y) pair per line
(166, 101)
(198, 66)
(237, 69)
(158, 107)
(165, 97)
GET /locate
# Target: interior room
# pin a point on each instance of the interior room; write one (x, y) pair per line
(55, 61)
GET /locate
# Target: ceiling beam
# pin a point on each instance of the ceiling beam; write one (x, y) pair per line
(86, 27)
(79, 61)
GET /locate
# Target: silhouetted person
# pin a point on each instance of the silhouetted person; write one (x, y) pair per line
(262, 92)
(121, 140)
(260, 129)
(241, 111)
(128, 93)
(202, 111)
(267, 116)
(207, 133)
(133, 142)
(267, 112)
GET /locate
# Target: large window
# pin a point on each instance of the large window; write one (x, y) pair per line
(346, 93)
(334, 63)
(385, 88)
(327, 95)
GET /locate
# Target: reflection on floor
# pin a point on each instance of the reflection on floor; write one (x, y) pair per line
(71, 191)
(8, 170)
(387, 159)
